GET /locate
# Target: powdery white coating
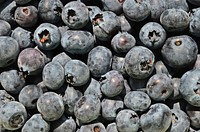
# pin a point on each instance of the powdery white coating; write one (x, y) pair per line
(194, 26)
(112, 5)
(137, 100)
(127, 121)
(125, 24)
(62, 58)
(194, 115)
(112, 127)
(95, 127)
(158, 118)
(77, 73)
(13, 115)
(9, 51)
(5, 29)
(161, 68)
(69, 125)
(36, 123)
(87, 108)
(118, 64)
(51, 106)
(178, 4)
(176, 86)
(5, 97)
(109, 108)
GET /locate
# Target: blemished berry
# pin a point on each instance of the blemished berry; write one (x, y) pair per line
(50, 10)
(189, 87)
(174, 20)
(112, 5)
(22, 2)
(112, 127)
(13, 115)
(137, 101)
(47, 36)
(5, 28)
(26, 16)
(136, 10)
(75, 14)
(179, 51)
(99, 61)
(139, 62)
(193, 114)
(51, 106)
(29, 95)
(105, 25)
(158, 118)
(5, 97)
(36, 123)
(109, 108)
(112, 83)
(76, 73)
(127, 121)
(12, 81)
(87, 108)
(53, 75)
(95, 127)
(9, 51)
(61, 58)
(152, 35)
(77, 42)
(159, 87)
(122, 42)
(194, 26)
(31, 61)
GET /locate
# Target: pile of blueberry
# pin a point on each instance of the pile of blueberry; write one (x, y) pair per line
(99, 65)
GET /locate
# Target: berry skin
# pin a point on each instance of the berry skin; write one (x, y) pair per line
(112, 5)
(5, 97)
(93, 11)
(36, 123)
(174, 20)
(77, 42)
(118, 64)
(193, 113)
(112, 127)
(76, 73)
(5, 28)
(51, 106)
(125, 24)
(75, 14)
(61, 58)
(178, 4)
(47, 36)
(95, 127)
(9, 51)
(179, 51)
(26, 16)
(53, 75)
(50, 10)
(127, 121)
(194, 26)
(139, 62)
(87, 108)
(152, 35)
(157, 119)
(99, 61)
(13, 115)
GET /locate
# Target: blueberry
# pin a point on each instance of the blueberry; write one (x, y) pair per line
(125, 24)
(36, 123)
(77, 42)
(65, 124)
(122, 42)
(194, 2)
(139, 62)
(194, 26)
(157, 119)
(87, 108)
(23, 37)
(12, 81)
(159, 87)
(193, 113)
(95, 127)
(94, 88)
(99, 61)
(31, 61)
(118, 64)
(178, 4)
(75, 14)
(176, 92)
(136, 10)
(127, 121)
(63, 29)
(180, 121)
(105, 25)
(47, 36)
(22, 2)
(197, 62)
(174, 20)
(53, 75)
(189, 87)
(137, 84)
(161, 68)
(137, 101)
(29, 95)
(179, 51)
(5, 97)
(109, 108)
(152, 35)
(93, 11)
(112, 83)
(61, 58)
(113, 5)
(70, 97)
(26, 16)
(51, 106)
(77, 72)
(13, 115)
(50, 10)
(9, 51)
(5, 29)
(112, 127)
